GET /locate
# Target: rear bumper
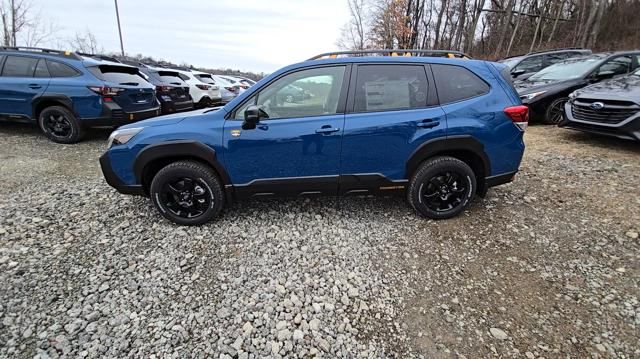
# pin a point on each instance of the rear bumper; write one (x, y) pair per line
(115, 182)
(171, 107)
(114, 116)
(628, 129)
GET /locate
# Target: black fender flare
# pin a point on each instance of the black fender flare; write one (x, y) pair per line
(61, 98)
(178, 149)
(448, 144)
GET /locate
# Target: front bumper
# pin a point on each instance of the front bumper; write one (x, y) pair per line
(628, 129)
(115, 182)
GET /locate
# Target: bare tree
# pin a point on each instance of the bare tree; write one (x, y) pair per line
(23, 24)
(354, 32)
(85, 42)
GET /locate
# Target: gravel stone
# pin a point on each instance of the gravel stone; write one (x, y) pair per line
(88, 273)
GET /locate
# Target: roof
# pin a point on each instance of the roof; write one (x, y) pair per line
(550, 51)
(393, 53)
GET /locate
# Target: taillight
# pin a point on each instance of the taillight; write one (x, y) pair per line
(203, 87)
(163, 88)
(230, 88)
(519, 115)
(105, 90)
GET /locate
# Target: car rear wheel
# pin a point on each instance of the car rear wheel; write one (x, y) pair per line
(60, 125)
(187, 193)
(442, 188)
(555, 111)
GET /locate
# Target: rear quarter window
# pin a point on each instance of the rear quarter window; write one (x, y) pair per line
(456, 83)
(58, 69)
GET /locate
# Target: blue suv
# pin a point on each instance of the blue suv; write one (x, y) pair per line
(438, 130)
(66, 92)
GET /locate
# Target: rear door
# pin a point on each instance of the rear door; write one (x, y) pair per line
(19, 86)
(392, 110)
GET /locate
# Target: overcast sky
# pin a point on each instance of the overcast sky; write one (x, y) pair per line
(254, 35)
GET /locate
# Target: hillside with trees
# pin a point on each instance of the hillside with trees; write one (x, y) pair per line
(492, 29)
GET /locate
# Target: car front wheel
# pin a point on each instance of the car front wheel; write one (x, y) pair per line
(187, 193)
(555, 111)
(442, 188)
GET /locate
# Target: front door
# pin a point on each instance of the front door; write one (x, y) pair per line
(296, 150)
(394, 110)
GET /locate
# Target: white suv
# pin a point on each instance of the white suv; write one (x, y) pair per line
(202, 87)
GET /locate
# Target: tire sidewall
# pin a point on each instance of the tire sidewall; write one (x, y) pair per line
(197, 173)
(76, 130)
(437, 167)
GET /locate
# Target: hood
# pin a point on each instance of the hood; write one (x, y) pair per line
(627, 88)
(525, 86)
(169, 119)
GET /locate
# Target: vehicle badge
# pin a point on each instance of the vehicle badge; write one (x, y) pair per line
(235, 133)
(597, 106)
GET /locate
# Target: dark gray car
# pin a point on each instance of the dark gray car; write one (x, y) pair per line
(609, 108)
(523, 66)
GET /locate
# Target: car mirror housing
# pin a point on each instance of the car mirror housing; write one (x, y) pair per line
(252, 116)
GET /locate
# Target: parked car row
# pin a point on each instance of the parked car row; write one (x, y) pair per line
(597, 93)
(67, 92)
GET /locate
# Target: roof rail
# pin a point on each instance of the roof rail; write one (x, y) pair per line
(98, 56)
(53, 52)
(391, 52)
(549, 50)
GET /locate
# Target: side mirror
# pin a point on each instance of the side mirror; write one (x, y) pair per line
(516, 73)
(252, 116)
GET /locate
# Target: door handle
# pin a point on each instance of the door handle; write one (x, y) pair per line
(327, 129)
(428, 123)
(34, 86)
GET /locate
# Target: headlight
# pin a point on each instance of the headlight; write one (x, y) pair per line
(120, 137)
(531, 96)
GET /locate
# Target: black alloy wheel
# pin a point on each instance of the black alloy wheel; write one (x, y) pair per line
(555, 111)
(186, 197)
(442, 187)
(60, 125)
(444, 191)
(187, 193)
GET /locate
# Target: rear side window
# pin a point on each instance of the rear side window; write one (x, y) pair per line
(41, 69)
(456, 83)
(390, 87)
(121, 75)
(58, 69)
(19, 66)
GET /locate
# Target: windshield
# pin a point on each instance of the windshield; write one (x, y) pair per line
(206, 79)
(567, 70)
(511, 63)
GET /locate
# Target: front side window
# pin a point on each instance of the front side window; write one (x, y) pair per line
(19, 66)
(618, 65)
(306, 93)
(531, 64)
(390, 87)
(58, 69)
(456, 83)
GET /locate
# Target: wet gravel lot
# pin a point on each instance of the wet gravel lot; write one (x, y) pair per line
(547, 266)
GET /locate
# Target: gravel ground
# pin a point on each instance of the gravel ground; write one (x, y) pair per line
(545, 267)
